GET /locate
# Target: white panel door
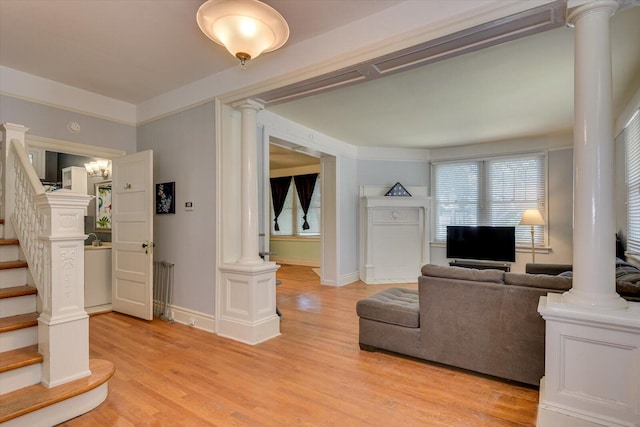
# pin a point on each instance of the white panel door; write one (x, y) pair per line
(132, 219)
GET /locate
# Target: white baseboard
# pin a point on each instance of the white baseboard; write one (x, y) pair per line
(296, 261)
(345, 279)
(196, 319)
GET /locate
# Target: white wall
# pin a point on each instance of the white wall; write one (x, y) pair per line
(51, 122)
(184, 153)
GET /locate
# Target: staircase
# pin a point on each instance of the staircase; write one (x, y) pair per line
(23, 400)
(46, 376)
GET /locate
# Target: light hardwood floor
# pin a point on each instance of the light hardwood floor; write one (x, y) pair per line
(314, 374)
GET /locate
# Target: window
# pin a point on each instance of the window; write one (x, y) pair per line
(494, 191)
(313, 214)
(291, 217)
(632, 156)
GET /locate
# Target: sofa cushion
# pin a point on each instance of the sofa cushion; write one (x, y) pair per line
(627, 280)
(397, 306)
(461, 273)
(538, 281)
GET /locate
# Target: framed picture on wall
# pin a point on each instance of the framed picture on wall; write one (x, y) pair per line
(103, 206)
(166, 198)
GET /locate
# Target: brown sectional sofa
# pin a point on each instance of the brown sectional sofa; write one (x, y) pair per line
(481, 320)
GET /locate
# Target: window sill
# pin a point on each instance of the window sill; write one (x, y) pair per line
(523, 249)
(633, 258)
(295, 238)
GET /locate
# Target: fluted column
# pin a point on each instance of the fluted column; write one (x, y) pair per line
(249, 251)
(594, 215)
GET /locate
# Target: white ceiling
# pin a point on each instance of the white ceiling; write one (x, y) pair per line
(517, 89)
(135, 50)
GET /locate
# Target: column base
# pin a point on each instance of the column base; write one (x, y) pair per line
(605, 301)
(247, 303)
(64, 345)
(592, 365)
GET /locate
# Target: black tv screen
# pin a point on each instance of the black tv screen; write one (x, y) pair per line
(481, 243)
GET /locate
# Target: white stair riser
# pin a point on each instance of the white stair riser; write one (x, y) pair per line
(17, 305)
(62, 411)
(19, 378)
(13, 277)
(19, 338)
(8, 253)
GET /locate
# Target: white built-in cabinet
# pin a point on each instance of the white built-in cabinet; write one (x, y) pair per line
(394, 235)
(74, 178)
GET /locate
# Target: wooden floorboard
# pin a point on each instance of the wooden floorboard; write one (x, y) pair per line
(314, 374)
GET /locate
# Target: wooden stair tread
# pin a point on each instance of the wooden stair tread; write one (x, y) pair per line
(35, 397)
(17, 291)
(19, 321)
(5, 242)
(5, 265)
(19, 358)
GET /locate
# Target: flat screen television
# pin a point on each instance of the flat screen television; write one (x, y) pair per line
(481, 243)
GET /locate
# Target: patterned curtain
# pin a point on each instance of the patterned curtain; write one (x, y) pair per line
(305, 185)
(279, 190)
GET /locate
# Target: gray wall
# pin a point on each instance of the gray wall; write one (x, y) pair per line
(560, 208)
(183, 147)
(378, 172)
(52, 122)
(348, 208)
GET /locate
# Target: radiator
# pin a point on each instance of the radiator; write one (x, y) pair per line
(162, 289)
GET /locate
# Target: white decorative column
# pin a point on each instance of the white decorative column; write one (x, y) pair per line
(248, 288)
(593, 150)
(63, 324)
(249, 194)
(592, 354)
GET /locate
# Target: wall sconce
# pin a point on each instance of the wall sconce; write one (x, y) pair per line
(99, 168)
(246, 28)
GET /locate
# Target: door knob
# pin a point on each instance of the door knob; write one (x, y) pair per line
(146, 245)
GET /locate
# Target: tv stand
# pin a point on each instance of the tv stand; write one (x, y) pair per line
(481, 265)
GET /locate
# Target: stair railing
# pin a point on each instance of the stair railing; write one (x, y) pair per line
(50, 228)
(26, 219)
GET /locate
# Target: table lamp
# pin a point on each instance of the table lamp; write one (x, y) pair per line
(532, 217)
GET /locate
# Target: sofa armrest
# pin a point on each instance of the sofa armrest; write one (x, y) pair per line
(552, 269)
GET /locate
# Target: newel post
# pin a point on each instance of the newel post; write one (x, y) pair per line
(63, 325)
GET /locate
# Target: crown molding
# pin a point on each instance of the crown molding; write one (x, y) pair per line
(28, 87)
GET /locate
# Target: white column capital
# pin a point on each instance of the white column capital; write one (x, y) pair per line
(248, 103)
(578, 8)
(13, 127)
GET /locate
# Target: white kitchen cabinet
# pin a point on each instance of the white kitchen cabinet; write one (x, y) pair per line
(74, 178)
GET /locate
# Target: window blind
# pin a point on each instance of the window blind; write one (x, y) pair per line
(494, 191)
(457, 187)
(632, 148)
(515, 185)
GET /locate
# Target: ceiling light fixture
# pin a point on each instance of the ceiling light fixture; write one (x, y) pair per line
(245, 27)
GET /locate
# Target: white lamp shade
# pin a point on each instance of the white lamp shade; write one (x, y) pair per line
(531, 217)
(244, 27)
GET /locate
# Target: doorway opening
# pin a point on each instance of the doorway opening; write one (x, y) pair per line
(305, 204)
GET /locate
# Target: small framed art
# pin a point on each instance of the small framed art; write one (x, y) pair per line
(166, 198)
(103, 206)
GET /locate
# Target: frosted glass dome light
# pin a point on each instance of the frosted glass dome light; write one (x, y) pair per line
(246, 28)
